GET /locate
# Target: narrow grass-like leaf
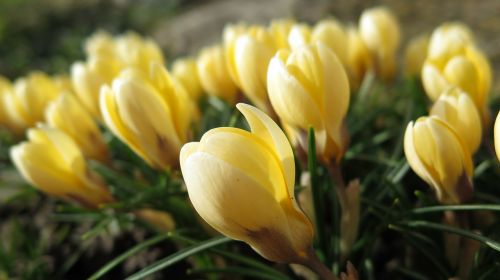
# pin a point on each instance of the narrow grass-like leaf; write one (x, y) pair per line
(134, 250)
(429, 225)
(236, 257)
(316, 190)
(234, 270)
(441, 208)
(178, 256)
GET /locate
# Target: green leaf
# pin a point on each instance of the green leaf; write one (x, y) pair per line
(442, 208)
(318, 196)
(178, 256)
(134, 250)
(234, 270)
(429, 225)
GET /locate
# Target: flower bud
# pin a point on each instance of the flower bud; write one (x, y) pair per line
(25, 104)
(449, 37)
(379, 29)
(151, 113)
(279, 29)
(52, 162)
(461, 64)
(302, 85)
(242, 184)
(214, 74)
(497, 135)
(88, 78)
(186, 72)
(329, 32)
(68, 115)
(135, 51)
(415, 55)
(359, 59)
(247, 58)
(440, 157)
(458, 110)
(101, 43)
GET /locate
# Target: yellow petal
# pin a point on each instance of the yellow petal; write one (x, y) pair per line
(434, 82)
(461, 72)
(496, 135)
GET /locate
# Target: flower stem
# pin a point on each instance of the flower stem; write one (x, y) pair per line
(317, 266)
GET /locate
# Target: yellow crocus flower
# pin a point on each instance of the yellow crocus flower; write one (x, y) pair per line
(186, 72)
(440, 157)
(248, 56)
(242, 184)
(379, 30)
(309, 87)
(68, 115)
(415, 55)
(359, 59)
(279, 29)
(461, 65)
(150, 112)
(456, 108)
(5, 87)
(135, 51)
(214, 74)
(88, 78)
(329, 31)
(25, 104)
(52, 162)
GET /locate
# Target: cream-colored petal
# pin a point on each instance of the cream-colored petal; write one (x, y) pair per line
(290, 100)
(461, 72)
(229, 199)
(434, 82)
(265, 128)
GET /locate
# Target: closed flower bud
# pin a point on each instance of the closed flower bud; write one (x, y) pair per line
(303, 86)
(458, 110)
(300, 34)
(214, 74)
(25, 104)
(68, 115)
(52, 162)
(88, 78)
(134, 51)
(467, 69)
(379, 29)
(150, 112)
(279, 29)
(242, 184)
(497, 135)
(186, 72)
(247, 58)
(415, 55)
(329, 32)
(449, 37)
(359, 59)
(440, 157)
(101, 43)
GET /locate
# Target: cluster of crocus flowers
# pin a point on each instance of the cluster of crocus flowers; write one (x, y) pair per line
(454, 60)
(106, 57)
(457, 77)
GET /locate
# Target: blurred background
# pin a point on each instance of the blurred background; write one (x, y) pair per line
(48, 34)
